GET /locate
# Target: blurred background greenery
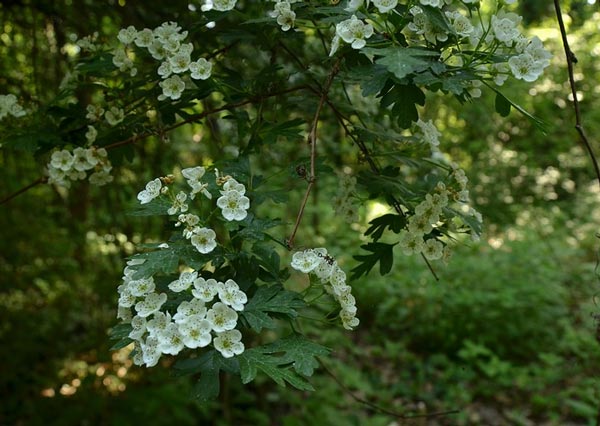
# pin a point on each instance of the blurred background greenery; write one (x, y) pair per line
(507, 336)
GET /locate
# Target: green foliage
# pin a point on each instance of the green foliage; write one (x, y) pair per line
(506, 331)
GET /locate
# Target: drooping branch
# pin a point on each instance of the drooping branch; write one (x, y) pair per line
(572, 59)
(136, 138)
(374, 168)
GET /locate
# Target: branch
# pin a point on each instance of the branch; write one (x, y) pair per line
(377, 408)
(375, 168)
(571, 59)
(312, 138)
(136, 138)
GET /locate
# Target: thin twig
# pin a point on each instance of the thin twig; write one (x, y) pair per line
(136, 138)
(571, 59)
(377, 408)
(312, 138)
(36, 182)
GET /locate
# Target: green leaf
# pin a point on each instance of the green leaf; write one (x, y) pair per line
(287, 360)
(437, 18)
(502, 105)
(255, 228)
(392, 221)
(380, 252)
(269, 300)
(156, 207)
(406, 110)
(402, 61)
(120, 333)
(163, 260)
(209, 365)
(537, 122)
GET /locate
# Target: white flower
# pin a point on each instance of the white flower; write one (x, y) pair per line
(62, 160)
(354, 31)
(179, 204)
(324, 269)
(172, 87)
(433, 249)
(284, 14)
(158, 324)
(349, 321)
(80, 160)
(229, 343)
(233, 205)
(230, 294)
(151, 192)
(460, 23)
(127, 35)
(193, 176)
(204, 240)
(139, 327)
(180, 62)
(141, 287)
(410, 242)
(114, 116)
(234, 185)
(91, 134)
(150, 352)
(223, 5)
(195, 332)
(101, 177)
(94, 113)
(305, 261)
(222, 317)
(144, 38)
(151, 303)
(524, 67)
(384, 6)
(170, 341)
(201, 69)
(354, 5)
(432, 3)
(505, 26)
(205, 290)
(430, 132)
(126, 299)
(187, 309)
(165, 69)
(184, 281)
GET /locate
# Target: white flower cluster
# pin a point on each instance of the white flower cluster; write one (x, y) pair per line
(427, 215)
(9, 106)
(342, 201)
(499, 36)
(284, 14)
(65, 166)
(166, 44)
(318, 263)
(113, 116)
(232, 202)
(195, 322)
(428, 133)
(352, 31)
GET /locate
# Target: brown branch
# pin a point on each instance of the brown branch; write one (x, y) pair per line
(377, 408)
(136, 138)
(571, 59)
(36, 182)
(312, 138)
